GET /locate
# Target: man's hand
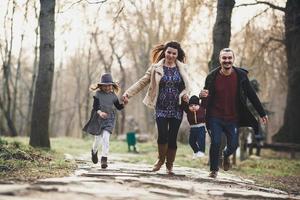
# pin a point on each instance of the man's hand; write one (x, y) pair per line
(204, 93)
(264, 119)
(103, 115)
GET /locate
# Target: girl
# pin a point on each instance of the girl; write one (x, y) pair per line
(102, 120)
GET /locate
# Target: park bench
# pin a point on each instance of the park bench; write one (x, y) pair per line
(283, 147)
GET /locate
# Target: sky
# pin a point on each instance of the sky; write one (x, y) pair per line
(72, 28)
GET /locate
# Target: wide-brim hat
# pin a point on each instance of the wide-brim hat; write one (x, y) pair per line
(106, 79)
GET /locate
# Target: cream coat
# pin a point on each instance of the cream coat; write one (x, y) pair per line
(153, 76)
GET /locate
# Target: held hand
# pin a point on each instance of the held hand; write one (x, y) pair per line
(264, 119)
(103, 115)
(185, 98)
(204, 93)
(125, 99)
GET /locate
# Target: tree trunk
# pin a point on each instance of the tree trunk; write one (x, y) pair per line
(39, 136)
(289, 132)
(221, 30)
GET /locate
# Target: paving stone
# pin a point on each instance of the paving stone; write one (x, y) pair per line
(12, 189)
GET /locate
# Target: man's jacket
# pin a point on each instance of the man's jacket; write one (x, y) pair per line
(244, 92)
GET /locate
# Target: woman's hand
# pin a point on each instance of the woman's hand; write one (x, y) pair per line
(185, 98)
(125, 99)
(103, 115)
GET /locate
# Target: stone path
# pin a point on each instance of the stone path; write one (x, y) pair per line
(134, 181)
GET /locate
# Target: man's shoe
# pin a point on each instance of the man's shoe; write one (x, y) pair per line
(213, 174)
(94, 157)
(103, 162)
(226, 163)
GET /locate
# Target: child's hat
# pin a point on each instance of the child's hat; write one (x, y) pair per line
(106, 79)
(194, 100)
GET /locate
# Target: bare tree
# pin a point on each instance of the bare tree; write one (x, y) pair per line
(6, 98)
(18, 75)
(39, 136)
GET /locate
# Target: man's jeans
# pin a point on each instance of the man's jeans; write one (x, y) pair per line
(216, 127)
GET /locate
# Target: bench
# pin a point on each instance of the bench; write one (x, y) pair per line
(284, 147)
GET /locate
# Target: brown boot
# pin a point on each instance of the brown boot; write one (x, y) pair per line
(162, 150)
(171, 153)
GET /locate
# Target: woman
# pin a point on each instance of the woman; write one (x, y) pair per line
(168, 85)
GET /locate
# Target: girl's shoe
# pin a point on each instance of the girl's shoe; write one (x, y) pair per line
(103, 162)
(94, 157)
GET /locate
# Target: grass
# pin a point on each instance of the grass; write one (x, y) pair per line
(22, 163)
(271, 169)
(280, 173)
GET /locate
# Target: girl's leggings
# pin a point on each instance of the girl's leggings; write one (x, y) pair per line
(103, 138)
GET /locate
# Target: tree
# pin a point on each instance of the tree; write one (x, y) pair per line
(221, 30)
(289, 132)
(6, 93)
(39, 136)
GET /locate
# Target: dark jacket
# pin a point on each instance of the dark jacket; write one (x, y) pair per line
(244, 92)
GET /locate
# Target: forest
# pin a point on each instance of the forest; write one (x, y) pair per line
(51, 52)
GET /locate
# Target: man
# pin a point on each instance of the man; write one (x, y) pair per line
(226, 90)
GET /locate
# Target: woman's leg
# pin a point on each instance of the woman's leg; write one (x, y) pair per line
(162, 127)
(163, 130)
(174, 125)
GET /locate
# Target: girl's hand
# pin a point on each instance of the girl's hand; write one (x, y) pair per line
(103, 115)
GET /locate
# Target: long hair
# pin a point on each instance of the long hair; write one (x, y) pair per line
(97, 87)
(158, 52)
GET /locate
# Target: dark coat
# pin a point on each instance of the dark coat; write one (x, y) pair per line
(244, 92)
(96, 124)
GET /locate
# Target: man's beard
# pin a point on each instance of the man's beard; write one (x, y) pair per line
(225, 65)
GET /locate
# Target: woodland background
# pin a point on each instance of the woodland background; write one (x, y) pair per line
(51, 52)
